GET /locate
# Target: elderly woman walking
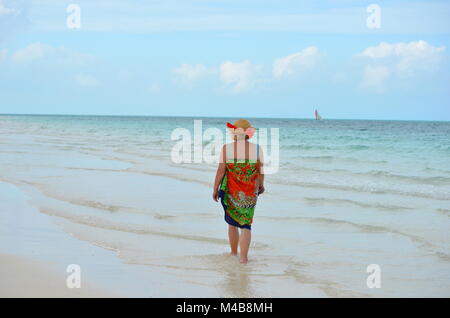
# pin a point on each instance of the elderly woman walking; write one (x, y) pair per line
(239, 180)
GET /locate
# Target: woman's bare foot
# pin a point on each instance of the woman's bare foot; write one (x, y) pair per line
(243, 260)
(233, 254)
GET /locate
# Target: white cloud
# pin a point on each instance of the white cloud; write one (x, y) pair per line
(417, 49)
(406, 58)
(402, 60)
(7, 11)
(296, 63)
(31, 52)
(59, 55)
(189, 73)
(239, 76)
(86, 80)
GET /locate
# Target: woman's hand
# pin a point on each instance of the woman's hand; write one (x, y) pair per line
(216, 195)
(261, 189)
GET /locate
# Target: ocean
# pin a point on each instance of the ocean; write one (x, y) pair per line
(346, 194)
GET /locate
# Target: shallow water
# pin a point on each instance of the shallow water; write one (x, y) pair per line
(348, 193)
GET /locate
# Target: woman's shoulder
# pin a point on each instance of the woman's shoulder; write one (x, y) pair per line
(231, 144)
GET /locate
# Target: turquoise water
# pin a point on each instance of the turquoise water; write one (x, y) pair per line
(348, 193)
(404, 157)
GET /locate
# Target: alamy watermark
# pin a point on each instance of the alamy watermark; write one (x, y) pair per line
(74, 279)
(74, 18)
(374, 279)
(190, 146)
(374, 19)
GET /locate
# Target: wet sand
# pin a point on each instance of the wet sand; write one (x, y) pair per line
(23, 277)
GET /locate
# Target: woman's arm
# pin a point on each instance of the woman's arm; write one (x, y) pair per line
(261, 184)
(261, 171)
(219, 175)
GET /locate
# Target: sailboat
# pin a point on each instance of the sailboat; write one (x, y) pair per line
(318, 117)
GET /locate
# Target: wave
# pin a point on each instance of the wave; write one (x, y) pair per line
(172, 176)
(415, 179)
(98, 222)
(436, 180)
(322, 147)
(438, 170)
(317, 157)
(94, 169)
(117, 208)
(101, 206)
(328, 158)
(367, 228)
(328, 201)
(284, 181)
(357, 147)
(444, 212)
(361, 189)
(306, 147)
(279, 179)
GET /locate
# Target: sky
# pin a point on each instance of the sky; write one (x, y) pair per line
(230, 58)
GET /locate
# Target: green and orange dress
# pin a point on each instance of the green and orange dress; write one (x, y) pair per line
(238, 191)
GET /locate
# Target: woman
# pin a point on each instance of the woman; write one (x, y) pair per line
(239, 181)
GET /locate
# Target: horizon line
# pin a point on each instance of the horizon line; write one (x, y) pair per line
(202, 116)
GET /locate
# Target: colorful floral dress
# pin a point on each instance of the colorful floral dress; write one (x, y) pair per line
(238, 191)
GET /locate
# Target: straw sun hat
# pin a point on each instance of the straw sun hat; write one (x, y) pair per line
(241, 127)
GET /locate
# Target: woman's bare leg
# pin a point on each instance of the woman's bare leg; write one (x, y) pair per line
(244, 244)
(233, 237)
